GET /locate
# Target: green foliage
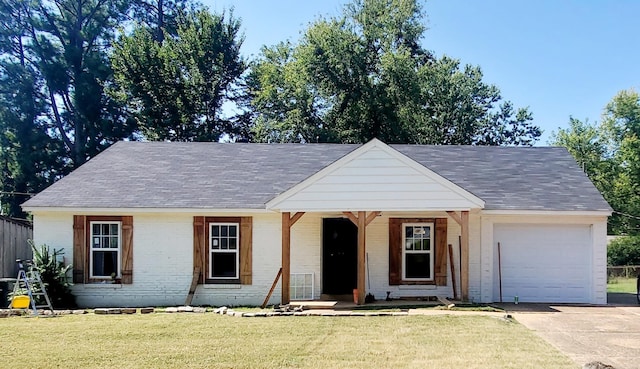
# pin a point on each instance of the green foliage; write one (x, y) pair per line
(176, 88)
(584, 141)
(30, 159)
(160, 16)
(54, 276)
(609, 153)
(364, 74)
(68, 42)
(624, 251)
(54, 70)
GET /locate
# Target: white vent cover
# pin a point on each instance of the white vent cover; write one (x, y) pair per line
(301, 287)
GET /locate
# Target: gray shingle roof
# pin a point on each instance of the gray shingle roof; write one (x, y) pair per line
(246, 176)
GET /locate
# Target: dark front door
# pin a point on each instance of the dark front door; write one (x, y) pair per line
(339, 256)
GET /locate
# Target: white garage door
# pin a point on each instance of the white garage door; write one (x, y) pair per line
(543, 263)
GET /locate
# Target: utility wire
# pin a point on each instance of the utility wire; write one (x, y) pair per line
(17, 193)
(627, 215)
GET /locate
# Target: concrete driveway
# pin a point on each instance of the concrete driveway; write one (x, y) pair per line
(610, 334)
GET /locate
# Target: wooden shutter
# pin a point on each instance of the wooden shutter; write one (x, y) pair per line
(441, 251)
(395, 251)
(127, 250)
(246, 254)
(79, 249)
(199, 246)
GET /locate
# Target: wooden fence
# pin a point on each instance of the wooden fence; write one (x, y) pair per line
(625, 271)
(14, 236)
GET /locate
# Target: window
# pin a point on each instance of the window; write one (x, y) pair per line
(224, 255)
(102, 246)
(105, 249)
(222, 249)
(417, 253)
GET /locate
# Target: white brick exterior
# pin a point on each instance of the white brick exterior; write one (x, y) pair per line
(163, 257)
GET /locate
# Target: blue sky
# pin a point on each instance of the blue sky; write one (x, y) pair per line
(560, 58)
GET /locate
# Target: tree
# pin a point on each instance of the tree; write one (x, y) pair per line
(585, 143)
(621, 130)
(609, 153)
(160, 16)
(30, 159)
(364, 74)
(624, 251)
(54, 71)
(177, 87)
(69, 42)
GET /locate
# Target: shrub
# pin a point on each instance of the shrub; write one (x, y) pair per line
(624, 251)
(54, 276)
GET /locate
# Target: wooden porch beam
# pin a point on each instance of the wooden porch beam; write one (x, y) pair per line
(371, 217)
(362, 252)
(455, 217)
(287, 222)
(464, 267)
(295, 218)
(351, 217)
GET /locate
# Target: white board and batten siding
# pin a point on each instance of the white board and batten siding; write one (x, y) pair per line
(375, 178)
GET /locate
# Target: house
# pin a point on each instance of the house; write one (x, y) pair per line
(405, 220)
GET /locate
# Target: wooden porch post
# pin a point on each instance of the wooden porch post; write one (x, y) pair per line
(362, 221)
(286, 257)
(464, 268)
(287, 222)
(362, 252)
(463, 221)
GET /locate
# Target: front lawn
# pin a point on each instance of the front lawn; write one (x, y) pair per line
(212, 341)
(621, 285)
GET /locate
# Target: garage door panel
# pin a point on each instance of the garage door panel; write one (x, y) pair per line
(543, 263)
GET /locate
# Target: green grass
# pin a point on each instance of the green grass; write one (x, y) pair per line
(621, 285)
(214, 341)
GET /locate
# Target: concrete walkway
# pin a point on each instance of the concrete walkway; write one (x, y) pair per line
(610, 334)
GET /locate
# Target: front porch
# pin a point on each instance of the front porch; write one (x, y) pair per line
(375, 260)
(405, 303)
(406, 216)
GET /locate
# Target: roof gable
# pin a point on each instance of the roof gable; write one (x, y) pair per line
(375, 177)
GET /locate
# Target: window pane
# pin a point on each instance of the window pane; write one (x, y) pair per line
(96, 242)
(232, 231)
(223, 265)
(215, 243)
(233, 243)
(114, 229)
(418, 266)
(426, 244)
(105, 263)
(408, 244)
(408, 232)
(418, 231)
(417, 245)
(223, 243)
(215, 231)
(223, 230)
(105, 229)
(96, 229)
(114, 242)
(427, 232)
